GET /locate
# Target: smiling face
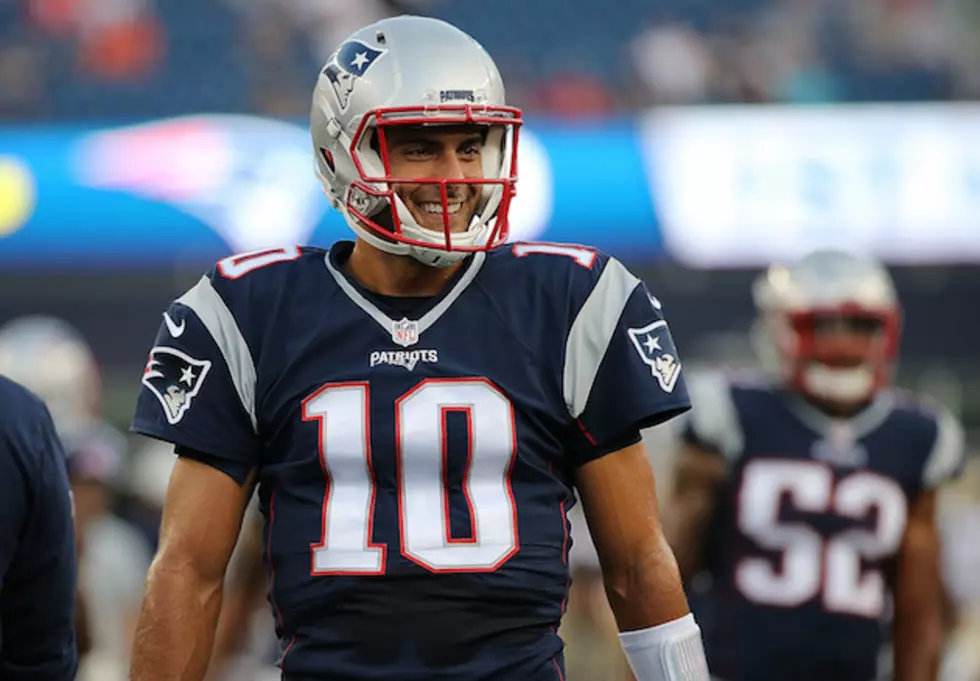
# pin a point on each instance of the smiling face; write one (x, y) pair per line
(435, 153)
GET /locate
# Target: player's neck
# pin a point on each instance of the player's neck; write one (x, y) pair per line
(837, 410)
(395, 275)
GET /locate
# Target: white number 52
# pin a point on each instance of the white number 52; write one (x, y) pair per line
(813, 565)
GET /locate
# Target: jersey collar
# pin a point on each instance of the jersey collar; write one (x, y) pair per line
(860, 425)
(404, 331)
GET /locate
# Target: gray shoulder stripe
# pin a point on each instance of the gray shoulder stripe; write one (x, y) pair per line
(218, 320)
(714, 417)
(947, 451)
(591, 332)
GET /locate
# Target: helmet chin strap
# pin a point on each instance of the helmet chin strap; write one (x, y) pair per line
(838, 385)
(432, 257)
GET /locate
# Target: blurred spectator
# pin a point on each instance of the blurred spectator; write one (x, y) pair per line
(796, 51)
(573, 95)
(116, 40)
(673, 63)
(905, 32)
(966, 61)
(276, 87)
(115, 556)
(22, 92)
(326, 22)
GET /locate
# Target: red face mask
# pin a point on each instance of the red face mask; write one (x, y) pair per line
(843, 339)
(501, 123)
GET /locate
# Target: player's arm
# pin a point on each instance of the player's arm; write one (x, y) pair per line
(638, 567)
(38, 569)
(918, 590)
(198, 393)
(201, 520)
(918, 593)
(622, 374)
(659, 635)
(698, 477)
(710, 438)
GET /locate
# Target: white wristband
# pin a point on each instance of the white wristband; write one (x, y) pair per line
(671, 651)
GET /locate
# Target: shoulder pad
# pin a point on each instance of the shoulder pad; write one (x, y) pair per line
(572, 269)
(557, 261)
(933, 433)
(946, 458)
(259, 267)
(18, 403)
(714, 416)
(253, 280)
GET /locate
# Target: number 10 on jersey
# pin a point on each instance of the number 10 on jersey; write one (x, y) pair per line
(342, 413)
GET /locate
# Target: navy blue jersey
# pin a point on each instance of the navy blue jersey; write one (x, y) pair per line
(37, 544)
(809, 524)
(415, 457)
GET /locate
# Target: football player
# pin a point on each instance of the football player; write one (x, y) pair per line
(38, 568)
(419, 407)
(52, 359)
(809, 496)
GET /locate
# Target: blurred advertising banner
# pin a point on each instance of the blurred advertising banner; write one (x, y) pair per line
(197, 188)
(741, 186)
(706, 187)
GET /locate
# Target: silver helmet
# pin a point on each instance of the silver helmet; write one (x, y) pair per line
(412, 71)
(51, 358)
(791, 300)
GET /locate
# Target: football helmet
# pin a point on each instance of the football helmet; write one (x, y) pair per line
(51, 359)
(412, 71)
(828, 326)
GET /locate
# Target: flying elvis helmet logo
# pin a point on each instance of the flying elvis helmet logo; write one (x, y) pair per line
(174, 378)
(349, 63)
(656, 348)
(247, 178)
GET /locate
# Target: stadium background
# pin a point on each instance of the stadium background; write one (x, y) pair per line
(140, 140)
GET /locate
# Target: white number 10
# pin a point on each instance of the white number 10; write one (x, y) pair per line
(345, 546)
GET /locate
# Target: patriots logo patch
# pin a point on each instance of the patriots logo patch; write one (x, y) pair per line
(656, 348)
(350, 62)
(175, 378)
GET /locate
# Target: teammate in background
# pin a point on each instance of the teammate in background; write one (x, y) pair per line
(53, 360)
(37, 544)
(418, 408)
(810, 496)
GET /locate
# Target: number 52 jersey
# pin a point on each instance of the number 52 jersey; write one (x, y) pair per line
(415, 456)
(809, 524)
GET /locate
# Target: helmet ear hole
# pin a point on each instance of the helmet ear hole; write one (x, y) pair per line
(384, 217)
(328, 159)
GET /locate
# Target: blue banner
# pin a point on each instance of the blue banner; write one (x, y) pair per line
(198, 188)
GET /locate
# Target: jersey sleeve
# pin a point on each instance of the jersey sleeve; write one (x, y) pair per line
(198, 387)
(947, 457)
(38, 569)
(621, 370)
(713, 423)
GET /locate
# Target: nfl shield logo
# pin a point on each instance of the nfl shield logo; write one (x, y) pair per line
(405, 332)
